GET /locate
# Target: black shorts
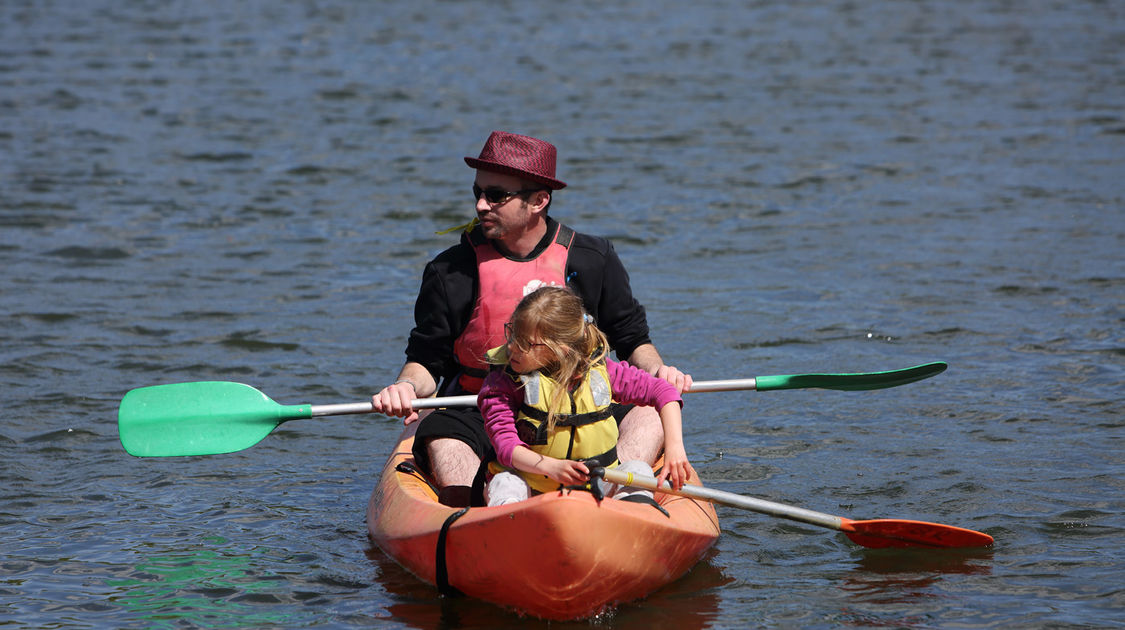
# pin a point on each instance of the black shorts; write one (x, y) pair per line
(460, 423)
(467, 425)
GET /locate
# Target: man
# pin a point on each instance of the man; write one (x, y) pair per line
(470, 290)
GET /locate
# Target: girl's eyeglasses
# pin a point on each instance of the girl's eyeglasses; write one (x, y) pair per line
(522, 346)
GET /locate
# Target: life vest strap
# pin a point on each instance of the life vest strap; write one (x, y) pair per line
(565, 236)
(605, 460)
(567, 419)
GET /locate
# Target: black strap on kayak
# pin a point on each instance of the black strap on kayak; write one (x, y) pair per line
(442, 571)
(440, 568)
(640, 498)
(409, 468)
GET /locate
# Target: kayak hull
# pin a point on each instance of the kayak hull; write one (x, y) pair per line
(561, 555)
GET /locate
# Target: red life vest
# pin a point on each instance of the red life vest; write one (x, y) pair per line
(503, 283)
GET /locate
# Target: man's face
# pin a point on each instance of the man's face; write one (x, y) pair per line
(508, 218)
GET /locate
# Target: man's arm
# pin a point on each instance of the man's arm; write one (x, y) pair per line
(429, 350)
(440, 313)
(418, 378)
(648, 359)
(396, 399)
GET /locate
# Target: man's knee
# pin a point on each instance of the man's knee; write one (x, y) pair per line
(641, 435)
(452, 462)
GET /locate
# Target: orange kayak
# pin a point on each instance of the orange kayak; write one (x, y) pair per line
(561, 555)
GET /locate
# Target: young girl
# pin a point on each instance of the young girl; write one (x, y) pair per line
(546, 404)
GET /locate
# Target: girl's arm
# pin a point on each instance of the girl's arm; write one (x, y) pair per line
(635, 386)
(564, 471)
(499, 401)
(677, 469)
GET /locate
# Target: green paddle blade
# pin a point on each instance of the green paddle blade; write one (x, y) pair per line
(851, 382)
(204, 418)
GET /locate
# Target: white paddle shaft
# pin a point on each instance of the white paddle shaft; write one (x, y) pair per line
(731, 385)
(790, 512)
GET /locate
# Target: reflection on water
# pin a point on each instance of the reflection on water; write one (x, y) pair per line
(897, 587)
(212, 587)
(903, 575)
(690, 602)
(892, 562)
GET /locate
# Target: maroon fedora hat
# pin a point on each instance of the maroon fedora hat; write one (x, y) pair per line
(521, 156)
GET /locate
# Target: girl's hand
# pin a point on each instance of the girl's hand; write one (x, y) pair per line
(565, 471)
(677, 469)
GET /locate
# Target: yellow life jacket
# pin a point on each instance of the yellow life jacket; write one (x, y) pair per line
(584, 428)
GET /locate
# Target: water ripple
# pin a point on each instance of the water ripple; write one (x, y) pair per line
(230, 191)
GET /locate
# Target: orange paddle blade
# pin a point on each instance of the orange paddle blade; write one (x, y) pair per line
(890, 532)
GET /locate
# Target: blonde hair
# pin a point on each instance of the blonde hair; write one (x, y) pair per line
(557, 317)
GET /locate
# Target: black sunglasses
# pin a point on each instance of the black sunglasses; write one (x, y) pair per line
(497, 196)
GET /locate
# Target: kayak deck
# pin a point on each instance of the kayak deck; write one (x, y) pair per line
(560, 555)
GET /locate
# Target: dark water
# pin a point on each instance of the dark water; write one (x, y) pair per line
(247, 191)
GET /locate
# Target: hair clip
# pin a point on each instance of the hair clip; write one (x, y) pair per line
(586, 318)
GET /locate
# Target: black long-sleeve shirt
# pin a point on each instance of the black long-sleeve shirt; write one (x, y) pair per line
(449, 290)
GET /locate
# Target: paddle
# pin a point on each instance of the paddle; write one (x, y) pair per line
(213, 417)
(878, 533)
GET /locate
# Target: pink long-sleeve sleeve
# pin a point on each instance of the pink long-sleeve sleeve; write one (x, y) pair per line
(633, 386)
(499, 401)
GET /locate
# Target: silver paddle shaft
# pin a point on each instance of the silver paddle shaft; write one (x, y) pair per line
(790, 512)
(738, 384)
